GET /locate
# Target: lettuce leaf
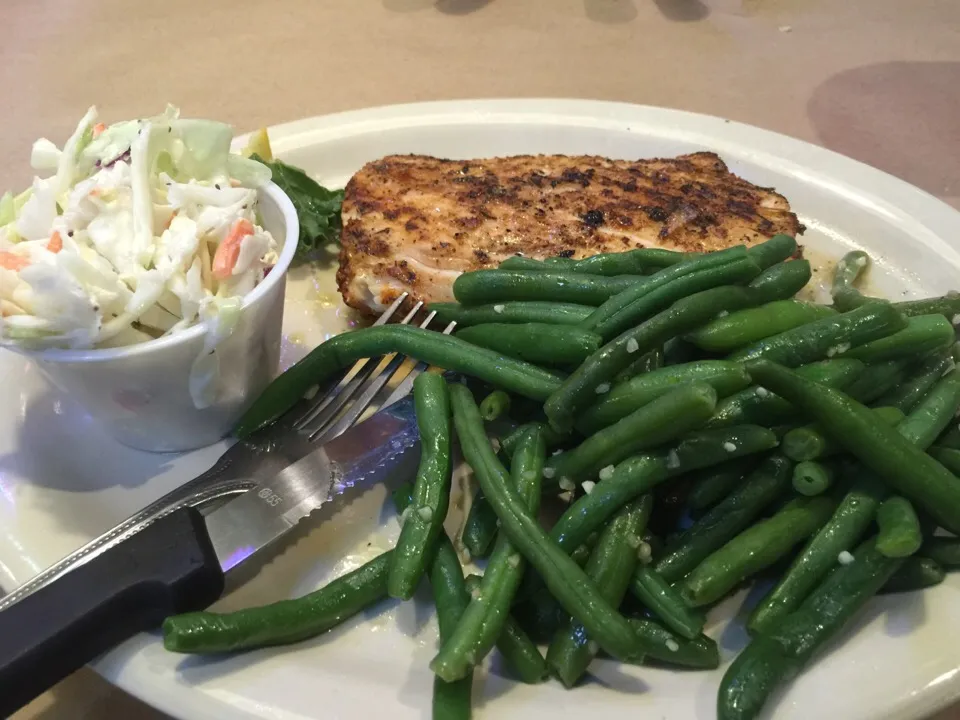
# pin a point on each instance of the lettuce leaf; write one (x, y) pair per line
(317, 207)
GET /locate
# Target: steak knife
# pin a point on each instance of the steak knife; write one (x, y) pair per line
(179, 563)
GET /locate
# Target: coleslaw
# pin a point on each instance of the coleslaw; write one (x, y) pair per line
(139, 230)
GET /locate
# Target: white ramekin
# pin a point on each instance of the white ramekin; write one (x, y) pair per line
(140, 393)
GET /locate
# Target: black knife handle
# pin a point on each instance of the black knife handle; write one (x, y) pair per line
(167, 568)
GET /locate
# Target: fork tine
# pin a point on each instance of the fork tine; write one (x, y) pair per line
(404, 388)
(322, 401)
(322, 418)
(363, 401)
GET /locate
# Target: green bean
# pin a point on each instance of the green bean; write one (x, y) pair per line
(648, 362)
(494, 286)
(948, 457)
(945, 551)
(678, 351)
(562, 576)
(908, 393)
(723, 376)
(629, 480)
(632, 261)
(916, 573)
(661, 645)
(899, 529)
(629, 262)
(769, 660)
(610, 567)
(451, 701)
(845, 274)
(666, 603)
(537, 343)
(950, 439)
(707, 448)
(752, 677)
(283, 622)
(596, 373)
(520, 262)
(805, 443)
(494, 405)
(903, 466)
(514, 311)
(733, 331)
(560, 261)
(728, 518)
(618, 302)
(550, 436)
(780, 281)
(773, 251)
(848, 524)
(851, 520)
(682, 409)
(934, 412)
(755, 549)
(947, 305)
(826, 337)
(520, 652)
(715, 483)
(876, 380)
(480, 528)
(812, 478)
(810, 443)
(759, 406)
(431, 496)
(835, 602)
(538, 613)
(923, 334)
(732, 273)
(483, 620)
(431, 347)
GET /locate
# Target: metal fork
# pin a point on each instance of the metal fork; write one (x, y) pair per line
(312, 421)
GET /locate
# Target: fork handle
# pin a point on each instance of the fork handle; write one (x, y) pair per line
(212, 484)
(168, 568)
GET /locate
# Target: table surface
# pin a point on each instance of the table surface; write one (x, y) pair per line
(874, 79)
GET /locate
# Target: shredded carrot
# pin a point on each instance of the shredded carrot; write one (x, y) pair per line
(56, 242)
(98, 128)
(13, 262)
(228, 252)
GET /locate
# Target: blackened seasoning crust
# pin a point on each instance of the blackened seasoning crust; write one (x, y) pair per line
(413, 223)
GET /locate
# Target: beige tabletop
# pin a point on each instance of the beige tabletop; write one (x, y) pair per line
(878, 80)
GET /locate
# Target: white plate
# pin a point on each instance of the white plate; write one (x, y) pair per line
(62, 481)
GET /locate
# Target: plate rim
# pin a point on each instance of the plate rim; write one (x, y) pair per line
(767, 148)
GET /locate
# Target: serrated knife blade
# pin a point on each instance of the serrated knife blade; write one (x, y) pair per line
(385, 445)
(178, 563)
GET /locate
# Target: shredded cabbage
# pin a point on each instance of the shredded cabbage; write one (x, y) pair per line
(116, 244)
(45, 156)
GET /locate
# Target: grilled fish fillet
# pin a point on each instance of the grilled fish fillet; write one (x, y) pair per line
(414, 223)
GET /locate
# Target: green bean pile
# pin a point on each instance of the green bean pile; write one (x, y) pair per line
(699, 428)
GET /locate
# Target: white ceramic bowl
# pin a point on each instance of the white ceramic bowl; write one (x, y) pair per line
(140, 393)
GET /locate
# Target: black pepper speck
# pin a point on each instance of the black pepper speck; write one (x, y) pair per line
(593, 218)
